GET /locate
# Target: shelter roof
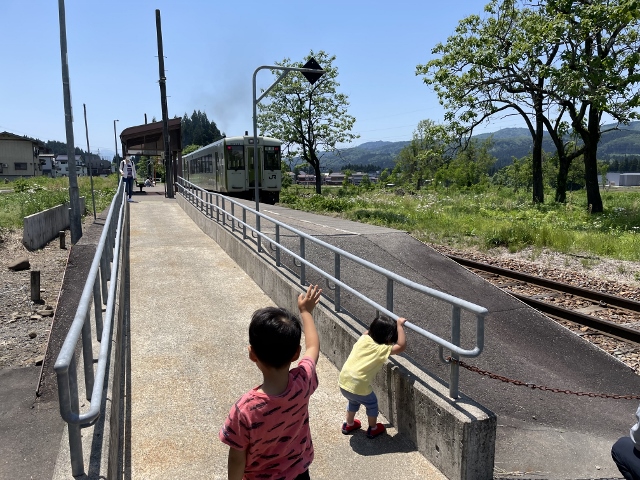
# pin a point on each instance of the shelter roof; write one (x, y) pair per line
(147, 139)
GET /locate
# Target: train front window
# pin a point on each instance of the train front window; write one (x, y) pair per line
(235, 157)
(271, 158)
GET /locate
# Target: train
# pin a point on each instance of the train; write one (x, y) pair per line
(226, 166)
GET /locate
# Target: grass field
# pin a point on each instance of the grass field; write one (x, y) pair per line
(28, 196)
(490, 218)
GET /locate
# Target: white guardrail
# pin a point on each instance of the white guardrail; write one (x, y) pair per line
(214, 206)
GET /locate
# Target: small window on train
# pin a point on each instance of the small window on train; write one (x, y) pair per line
(272, 158)
(235, 157)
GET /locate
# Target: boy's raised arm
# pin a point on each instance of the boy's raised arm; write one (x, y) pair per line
(306, 303)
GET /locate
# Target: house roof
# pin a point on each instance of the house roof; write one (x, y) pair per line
(13, 136)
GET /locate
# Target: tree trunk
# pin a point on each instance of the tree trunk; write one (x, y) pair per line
(316, 170)
(594, 199)
(563, 173)
(538, 184)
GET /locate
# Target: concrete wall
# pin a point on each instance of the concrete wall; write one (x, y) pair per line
(458, 437)
(40, 228)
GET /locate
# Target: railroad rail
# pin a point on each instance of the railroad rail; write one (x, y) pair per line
(555, 311)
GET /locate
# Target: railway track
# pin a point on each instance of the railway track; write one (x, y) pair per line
(543, 295)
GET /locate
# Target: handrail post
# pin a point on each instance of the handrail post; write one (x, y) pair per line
(336, 274)
(454, 375)
(97, 305)
(277, 245)
(75, 437)
(233, 217)
(224, 213)
(217, 208)
(258, 239)
(208, 195)
(244, 223)
(87, 355)
(303, 278)
(390, 294)
(104, 274)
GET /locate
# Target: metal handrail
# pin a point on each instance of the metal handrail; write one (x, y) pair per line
(104, 267)
(196, 195)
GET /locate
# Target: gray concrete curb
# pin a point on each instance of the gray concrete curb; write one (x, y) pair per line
(40, 228)
(457, 437)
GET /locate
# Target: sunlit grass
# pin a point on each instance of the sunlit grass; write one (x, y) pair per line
(494, 218)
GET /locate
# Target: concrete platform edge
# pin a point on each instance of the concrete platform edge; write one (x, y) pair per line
(457, 437)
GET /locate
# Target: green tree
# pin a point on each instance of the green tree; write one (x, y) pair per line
(420, 159)
(599, 72)
(493, 65)
(469, 167)
(190, 148)
(198, 130)
(603, 168)
(365, 183)
(309, 119)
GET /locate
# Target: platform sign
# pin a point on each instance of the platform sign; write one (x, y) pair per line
(312, 77)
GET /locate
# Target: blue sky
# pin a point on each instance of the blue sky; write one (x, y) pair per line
(211, 50)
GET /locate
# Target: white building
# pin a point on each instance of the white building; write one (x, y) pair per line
(62, 166)
(629, 179)
(48, 164)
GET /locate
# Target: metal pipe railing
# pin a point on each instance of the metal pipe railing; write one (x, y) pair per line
(453, 345)
(104, 266)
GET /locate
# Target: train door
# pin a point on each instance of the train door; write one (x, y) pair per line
(251, 176)
(235, 168)
(271, 171)
(216, 166)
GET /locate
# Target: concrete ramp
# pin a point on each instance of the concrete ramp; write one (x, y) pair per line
(190, 311)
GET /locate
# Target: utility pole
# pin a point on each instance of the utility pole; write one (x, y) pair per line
(74, 194)
(86, 128)
(115, 139)
(165, 116)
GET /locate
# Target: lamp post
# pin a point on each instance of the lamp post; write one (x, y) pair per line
(312, 72)
(115, 138)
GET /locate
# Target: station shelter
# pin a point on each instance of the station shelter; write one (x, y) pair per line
(148, 140)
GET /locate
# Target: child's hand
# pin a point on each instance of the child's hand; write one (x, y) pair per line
(307, 301)
(402, 321)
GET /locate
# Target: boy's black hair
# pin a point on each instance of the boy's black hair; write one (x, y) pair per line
(383, 330)
(274, 335)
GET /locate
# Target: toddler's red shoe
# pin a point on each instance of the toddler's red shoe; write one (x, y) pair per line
(378, 431)
(347, 429)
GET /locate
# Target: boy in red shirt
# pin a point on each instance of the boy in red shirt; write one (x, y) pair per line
(267, 429)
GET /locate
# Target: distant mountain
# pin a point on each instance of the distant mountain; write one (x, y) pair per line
(380, 154)
(508, 143)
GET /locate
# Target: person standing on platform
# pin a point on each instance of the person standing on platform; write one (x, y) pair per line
(385, 337)
(128, 172)
(267, 430)
(626, 452)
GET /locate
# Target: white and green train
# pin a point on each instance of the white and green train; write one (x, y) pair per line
(227, 166)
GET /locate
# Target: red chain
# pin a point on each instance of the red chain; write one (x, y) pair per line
(533, 386)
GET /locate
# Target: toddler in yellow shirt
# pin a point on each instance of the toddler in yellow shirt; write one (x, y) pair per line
(385, 337)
